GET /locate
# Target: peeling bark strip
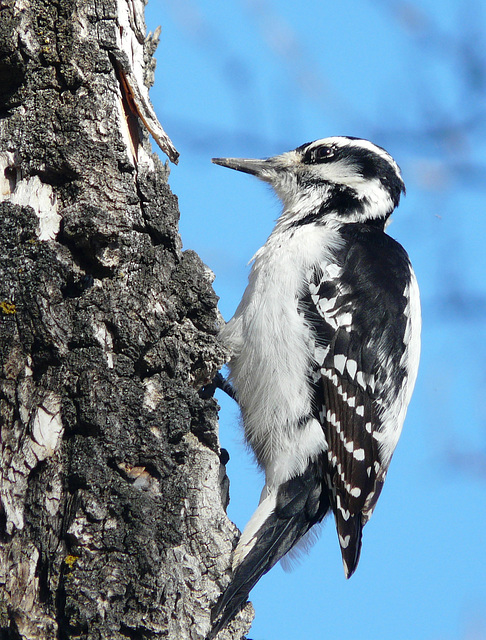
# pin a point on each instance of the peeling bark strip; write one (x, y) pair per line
(112, 500)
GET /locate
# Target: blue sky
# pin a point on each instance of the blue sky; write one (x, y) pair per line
(253, 78)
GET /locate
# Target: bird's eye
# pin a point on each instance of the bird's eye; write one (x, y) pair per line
(322, 154)
(319, 154)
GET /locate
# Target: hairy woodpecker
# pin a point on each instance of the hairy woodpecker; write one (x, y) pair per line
(325, 349)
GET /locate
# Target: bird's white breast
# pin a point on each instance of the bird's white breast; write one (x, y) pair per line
(272, 349)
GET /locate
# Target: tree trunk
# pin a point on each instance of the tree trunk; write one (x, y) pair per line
(112, 493)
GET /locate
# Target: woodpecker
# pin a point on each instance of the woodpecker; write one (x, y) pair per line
(325, 349)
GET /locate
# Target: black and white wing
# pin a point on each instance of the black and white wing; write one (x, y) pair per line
(364, 315)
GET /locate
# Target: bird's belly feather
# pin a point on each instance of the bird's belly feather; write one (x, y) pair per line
(272, 350)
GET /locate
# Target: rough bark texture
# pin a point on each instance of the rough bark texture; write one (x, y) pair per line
(113, 496)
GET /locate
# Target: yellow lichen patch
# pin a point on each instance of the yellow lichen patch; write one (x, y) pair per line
(71, 561)
(7, 308)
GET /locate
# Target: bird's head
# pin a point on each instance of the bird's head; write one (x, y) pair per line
(339, 178)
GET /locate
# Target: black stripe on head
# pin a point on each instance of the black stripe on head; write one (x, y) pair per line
(373, 166)
(369, 164)
(343, 200)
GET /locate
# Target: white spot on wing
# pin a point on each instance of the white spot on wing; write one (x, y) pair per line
(352, 367)
(360, 379)
(340, 362)
(345, 319)
(371, 382)
(334, 270)
(326, 307)
(344, 512)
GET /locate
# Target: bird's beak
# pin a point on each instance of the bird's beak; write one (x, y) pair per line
(255, 167)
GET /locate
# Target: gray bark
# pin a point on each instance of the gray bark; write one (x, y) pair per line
(112, 493)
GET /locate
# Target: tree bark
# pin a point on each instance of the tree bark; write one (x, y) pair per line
(112, 492)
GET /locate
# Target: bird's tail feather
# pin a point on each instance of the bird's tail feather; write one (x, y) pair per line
(295, 507)
(349, 534)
